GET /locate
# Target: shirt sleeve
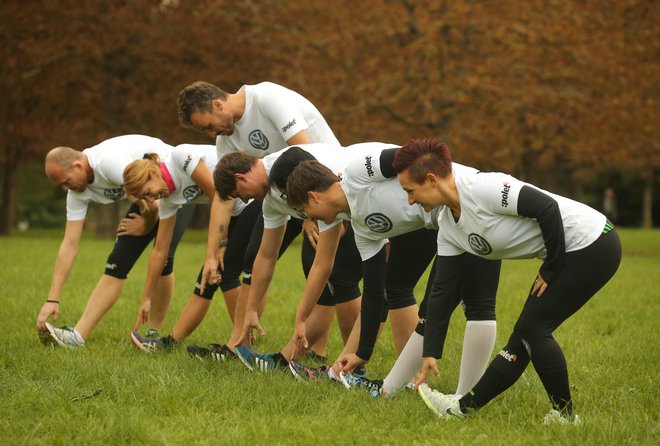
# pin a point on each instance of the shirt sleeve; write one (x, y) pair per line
(370, 167)
(443, 299)
(373, 303)
(283, 112)
(166, 209)
(272, 217)
(187, 160)
(76, 206)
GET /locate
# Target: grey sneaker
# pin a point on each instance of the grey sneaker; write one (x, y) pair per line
(556, 417)
(64, 337)
(304, 373)
(439, 403)
(149, 344)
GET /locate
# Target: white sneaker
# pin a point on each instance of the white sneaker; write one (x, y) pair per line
(555, 417)
(440, 404)
(65, 336)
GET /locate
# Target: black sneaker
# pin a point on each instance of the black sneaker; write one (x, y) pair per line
(216, 352)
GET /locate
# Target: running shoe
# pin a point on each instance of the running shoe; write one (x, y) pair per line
(313, 356)
(216, 352)
(63, 336)
(304, 374)
(440, 404)
(350, 381)
(149, 344)
(556, 417)
(258, 361)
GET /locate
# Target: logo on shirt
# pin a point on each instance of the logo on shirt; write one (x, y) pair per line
(368, 165)
(479, 244)
(288, 126)
(378, 222)
(258, 140)
(187, 163)
(506, 187)
(192, 192)
(114, 194)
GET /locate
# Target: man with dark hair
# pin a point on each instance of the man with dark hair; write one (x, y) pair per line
(260, 119)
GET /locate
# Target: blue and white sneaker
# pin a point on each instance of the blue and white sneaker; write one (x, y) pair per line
(64, 337)
(350, 381)
(440, 404)
(257, 361)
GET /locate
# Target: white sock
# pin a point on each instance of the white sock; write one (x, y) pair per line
(406, 366)
(478, 344)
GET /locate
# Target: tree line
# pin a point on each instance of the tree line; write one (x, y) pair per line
(560, 93)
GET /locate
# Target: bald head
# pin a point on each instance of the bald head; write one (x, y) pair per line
(66, 167)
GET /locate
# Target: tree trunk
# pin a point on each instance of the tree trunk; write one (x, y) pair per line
(647, 200)
(8, 204)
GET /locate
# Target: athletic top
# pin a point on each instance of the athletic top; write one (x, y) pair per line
(504, 218)
(108, 160)
(378, 205)
(181, 163)
(493, 222)
(275, 209)
(272, 115)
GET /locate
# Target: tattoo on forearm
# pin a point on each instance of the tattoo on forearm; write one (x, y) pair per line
(221, 228)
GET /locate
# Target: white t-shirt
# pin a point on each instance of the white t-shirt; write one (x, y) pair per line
(275, 209)
(181, 163)
(272, 115)
(489, 225)
(108, 160)
(379, 207)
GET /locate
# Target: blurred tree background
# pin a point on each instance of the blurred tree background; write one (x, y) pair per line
(560, 93)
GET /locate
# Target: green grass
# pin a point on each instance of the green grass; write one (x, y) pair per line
(108, 393)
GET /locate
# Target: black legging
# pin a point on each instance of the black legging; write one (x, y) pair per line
(584, 273)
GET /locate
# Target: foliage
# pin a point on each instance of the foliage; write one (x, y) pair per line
(109, 393)
(552, 91)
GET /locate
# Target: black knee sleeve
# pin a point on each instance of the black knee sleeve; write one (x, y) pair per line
(399, 297)
(169, 267)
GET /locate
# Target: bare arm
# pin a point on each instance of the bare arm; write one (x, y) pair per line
(317, 278)
(63, 264)
(262, 274)
(157, 261)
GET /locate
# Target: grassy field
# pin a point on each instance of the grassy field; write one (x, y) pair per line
(109, 393)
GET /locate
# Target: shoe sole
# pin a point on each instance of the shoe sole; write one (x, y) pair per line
(138, 344)
(245, 362)
(428, 402)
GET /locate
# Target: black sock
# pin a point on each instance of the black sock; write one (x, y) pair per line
(280, 360)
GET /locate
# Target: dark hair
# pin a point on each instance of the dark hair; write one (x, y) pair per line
(197, 97)
(284, 165)
(229, 165)
(308, 176)
(423, 155)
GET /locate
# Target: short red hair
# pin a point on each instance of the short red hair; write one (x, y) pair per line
(421, 156)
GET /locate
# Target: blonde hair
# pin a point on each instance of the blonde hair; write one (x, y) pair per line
(136, 175)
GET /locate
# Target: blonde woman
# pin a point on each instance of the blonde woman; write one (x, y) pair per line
(174, 181)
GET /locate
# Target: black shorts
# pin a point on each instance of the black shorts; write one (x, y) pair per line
(127, 249)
